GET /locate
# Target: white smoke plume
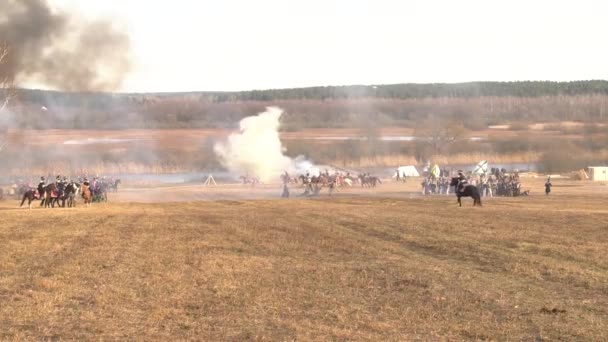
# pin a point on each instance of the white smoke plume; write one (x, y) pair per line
(257, 150)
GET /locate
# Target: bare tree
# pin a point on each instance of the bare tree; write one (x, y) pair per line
(436, 135)
(7, 93)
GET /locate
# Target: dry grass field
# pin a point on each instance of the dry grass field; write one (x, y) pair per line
(351, 268)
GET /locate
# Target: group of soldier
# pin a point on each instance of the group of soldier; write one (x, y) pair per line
(314, 183)
(496, 183)
(98, 186)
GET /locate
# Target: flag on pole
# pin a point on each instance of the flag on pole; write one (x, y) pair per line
(436, 171)
(481, 168)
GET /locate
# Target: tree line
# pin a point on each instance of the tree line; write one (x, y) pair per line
(42, 110)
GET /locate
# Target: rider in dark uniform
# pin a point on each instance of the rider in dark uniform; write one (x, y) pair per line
(60, 185)
(41, 186)
(462, 181)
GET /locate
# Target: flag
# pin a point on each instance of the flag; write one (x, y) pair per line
(436, 171)
(481, 168)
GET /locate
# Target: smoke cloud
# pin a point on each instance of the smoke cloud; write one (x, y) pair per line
(257, 149)
(57, 50)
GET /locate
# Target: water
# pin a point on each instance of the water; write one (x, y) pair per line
(90, 141)
(382, 138)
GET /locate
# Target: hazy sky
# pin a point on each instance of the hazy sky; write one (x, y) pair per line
(183, 45)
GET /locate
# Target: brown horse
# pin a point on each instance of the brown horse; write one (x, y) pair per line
(50, 196)
(86, 194)
(30, 195)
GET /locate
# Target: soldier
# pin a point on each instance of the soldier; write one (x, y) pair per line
(41, 186)
(462, 181)
(548, 186)
(87, 184)
(60, 185)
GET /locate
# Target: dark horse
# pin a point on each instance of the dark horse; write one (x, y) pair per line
(51, 195)
(468, 191)
(114, 186)
(70, 194)
(31, 195)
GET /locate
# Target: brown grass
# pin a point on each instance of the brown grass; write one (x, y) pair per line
(349, 269)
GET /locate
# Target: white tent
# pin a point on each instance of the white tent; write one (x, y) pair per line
(408, 171)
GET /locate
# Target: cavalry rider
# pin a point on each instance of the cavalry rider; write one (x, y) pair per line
(60, 185)
(462, 181)
(41, 186)
(94, 186)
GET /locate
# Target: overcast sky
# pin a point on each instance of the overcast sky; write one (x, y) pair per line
(183, 45)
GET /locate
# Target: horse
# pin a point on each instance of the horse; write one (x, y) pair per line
(71, 190)
(369, 181)
(31, 195)
(61, 196)
(363, 180)
(347, 182)
(250, 180)
(22, 189)
(86, 194)
(373, 181)
(50, 196)
(468, 191)
(114, 186)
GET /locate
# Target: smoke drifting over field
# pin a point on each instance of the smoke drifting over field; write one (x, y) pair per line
(257, 150)
(57, 50)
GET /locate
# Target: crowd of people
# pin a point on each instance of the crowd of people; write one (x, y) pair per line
(498, 182)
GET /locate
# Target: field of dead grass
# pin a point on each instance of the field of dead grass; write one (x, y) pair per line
(348, 269)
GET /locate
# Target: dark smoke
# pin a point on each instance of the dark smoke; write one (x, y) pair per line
(57, 50)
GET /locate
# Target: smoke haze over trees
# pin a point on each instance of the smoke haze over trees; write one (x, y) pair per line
(474, 105)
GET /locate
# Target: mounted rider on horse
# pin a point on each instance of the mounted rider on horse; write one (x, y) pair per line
(462, 181)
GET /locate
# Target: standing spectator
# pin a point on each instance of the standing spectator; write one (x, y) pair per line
(548, 186)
